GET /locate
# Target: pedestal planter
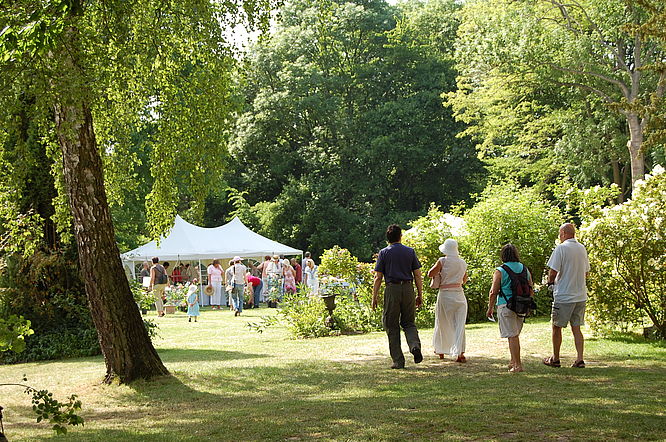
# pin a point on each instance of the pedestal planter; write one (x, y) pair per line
(169, 309)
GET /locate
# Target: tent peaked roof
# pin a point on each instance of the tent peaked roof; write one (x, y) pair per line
(186, 241)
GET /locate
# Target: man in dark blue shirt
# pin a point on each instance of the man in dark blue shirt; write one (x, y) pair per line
(400, 268)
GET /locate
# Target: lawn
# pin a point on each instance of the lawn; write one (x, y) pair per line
(231, 383)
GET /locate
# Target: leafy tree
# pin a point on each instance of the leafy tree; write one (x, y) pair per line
(626, 246)
(344, 130)
(90, 61)
(596, 55)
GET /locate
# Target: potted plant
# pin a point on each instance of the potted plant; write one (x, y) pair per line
(273, 297)
(175, 297)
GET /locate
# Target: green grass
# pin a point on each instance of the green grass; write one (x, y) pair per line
(230, 383)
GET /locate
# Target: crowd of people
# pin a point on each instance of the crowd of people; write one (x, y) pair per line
(399, 267)
(267, 281)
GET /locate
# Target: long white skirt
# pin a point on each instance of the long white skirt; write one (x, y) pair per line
(450, 317)
(216, 299)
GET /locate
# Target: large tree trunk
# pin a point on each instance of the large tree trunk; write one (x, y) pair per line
(635, 145)
(128, 352)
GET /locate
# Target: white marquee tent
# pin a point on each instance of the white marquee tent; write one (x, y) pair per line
(187, 242)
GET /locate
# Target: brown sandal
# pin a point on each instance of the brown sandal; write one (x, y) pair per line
(549, 361)
(578, 364)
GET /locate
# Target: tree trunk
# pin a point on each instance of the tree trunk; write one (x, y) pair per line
(635, 145)
(128, 352)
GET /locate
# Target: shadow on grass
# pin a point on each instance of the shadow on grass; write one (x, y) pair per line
(434, 400)
(190, 355)
(632, 338)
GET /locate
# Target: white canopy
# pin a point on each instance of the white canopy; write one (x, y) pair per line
(187, 242)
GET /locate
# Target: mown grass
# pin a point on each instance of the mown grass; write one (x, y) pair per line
(230, 383)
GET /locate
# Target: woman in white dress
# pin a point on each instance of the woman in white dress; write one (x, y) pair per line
(311, 276)
(215, 272)
(451, 309)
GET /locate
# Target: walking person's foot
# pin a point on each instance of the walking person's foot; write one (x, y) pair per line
(552, 362)
(397, 366)
(418, 356)
(578, 364)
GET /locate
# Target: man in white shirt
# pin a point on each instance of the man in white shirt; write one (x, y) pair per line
(237, 293)
(569, 267)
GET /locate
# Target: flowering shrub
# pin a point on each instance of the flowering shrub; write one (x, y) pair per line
(626, 245)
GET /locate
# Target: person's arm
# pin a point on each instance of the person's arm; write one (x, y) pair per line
(418, 278)
(435, 269)
(465, 278)
(152, 277)
(552, 274)
(494, 290)
(375, 288)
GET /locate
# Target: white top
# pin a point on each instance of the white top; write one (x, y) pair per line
(453, 270)
(312, 274)
(570, 261)
(239, 273)
(275, 268)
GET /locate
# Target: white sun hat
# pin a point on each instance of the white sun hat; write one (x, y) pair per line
(449, 248)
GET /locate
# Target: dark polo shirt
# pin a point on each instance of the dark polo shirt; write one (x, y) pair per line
(396, 262)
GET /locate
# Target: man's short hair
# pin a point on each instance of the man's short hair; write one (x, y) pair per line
(393, 233)
(307, 254)
(155, 260)
(568, 229)
(509, 253)
(166, 264)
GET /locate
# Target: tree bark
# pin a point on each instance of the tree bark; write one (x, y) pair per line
(128, 352)
(635, 145)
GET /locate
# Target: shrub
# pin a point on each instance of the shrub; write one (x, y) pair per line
(506, 214)
(304, 315)
(47, 290)
(626, 245)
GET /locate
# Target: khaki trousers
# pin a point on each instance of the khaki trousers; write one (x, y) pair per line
(400, 311)
(158, 291)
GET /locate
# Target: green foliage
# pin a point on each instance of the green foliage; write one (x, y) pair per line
(46, 407)
(340, 263)
(47, 290)
(56, 344)
(626, 246)
(505, 214)
(13, 331)
(305, 316)
(547, 86)
(143, 298)
(343, 109)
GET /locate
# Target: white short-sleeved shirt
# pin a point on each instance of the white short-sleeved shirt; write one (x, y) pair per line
(570, 261)
(239, 273)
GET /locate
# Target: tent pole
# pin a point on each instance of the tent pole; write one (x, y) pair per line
(200, 284)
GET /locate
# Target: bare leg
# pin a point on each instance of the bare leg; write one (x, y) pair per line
(557, 342)
(579, 341)
(514, 350)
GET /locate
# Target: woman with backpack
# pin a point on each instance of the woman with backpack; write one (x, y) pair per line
(451, 309)
(510, 323)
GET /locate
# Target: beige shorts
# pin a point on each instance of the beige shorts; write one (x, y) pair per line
(510, 324)
(568, 312)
